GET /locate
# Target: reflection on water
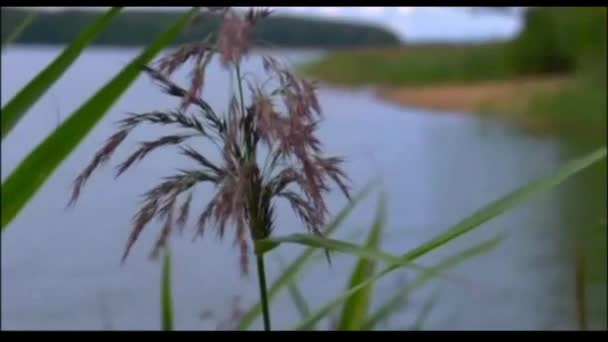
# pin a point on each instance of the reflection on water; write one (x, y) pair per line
(60, 269)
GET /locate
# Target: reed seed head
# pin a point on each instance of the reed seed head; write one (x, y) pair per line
(246, 182)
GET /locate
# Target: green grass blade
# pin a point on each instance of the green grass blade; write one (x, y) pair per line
(19, 29)
(394, 303)
(475, 220)
(298, 299)
(29, 176)
(363, 252)
(313, 319)
(14, 110)
(296, 295)
(166, 296)
(512, 200)
(326, 243)
(425, 311)
(292, 271)
(357, 306)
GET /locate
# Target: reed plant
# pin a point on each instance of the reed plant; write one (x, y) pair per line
(263, 150)
(246, 180)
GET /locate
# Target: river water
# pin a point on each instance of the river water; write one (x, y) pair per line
(61, 268)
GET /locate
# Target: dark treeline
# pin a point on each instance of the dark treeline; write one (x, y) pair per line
(560, 39)
(134, 28)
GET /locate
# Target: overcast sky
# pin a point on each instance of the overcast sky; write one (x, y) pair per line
(425, 23)
(415, 23)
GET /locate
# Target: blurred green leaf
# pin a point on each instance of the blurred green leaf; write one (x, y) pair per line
(331, 244)
(357, 306)
(363, 252)
(481, 216)
(511, 200)
(394, 303)
(166, 296)
(19, 29)
(292, 271)
(312, 320)
(424, 312)
(296, 295)
(32, 172)
(298, 299)
(14, 110)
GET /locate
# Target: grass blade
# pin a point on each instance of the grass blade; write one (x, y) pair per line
(356, 307)
(367, 253)
(292, 271)
(296, 296)
(424, 312)
(512, 200)
(394, 303)
(363, 252)
(19, 29)
(298, 299)
(29, 176)
(166, 296)
(481, 216)
(312, 320)
(14, 110)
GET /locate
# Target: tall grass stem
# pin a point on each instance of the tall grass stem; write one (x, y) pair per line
(264, 297)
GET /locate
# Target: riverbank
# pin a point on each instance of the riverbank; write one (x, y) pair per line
(473, 79)
(508, 100)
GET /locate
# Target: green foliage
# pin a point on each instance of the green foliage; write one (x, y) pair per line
(356, 308)
(424, 312)
(363, 252)
(144, 26)
(395, 302)
(416, 65)
(474, 221)
(34, 170)
(465, 226)
(18, 105)
(580, 107)
(556, 39)
(296, 295)
(291, 272)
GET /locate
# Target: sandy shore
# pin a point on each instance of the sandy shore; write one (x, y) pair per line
(472, 97)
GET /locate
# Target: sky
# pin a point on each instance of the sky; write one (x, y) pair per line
(425, 23)
(413, 23)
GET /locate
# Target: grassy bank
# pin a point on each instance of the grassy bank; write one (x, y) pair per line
(413, 66)
(575, 107)
(552, 77)
(475, 79)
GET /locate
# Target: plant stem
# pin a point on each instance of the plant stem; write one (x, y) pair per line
(581, 298)
(262, 278)
(248, 147)
(240, 84)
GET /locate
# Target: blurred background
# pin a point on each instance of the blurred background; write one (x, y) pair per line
(450, 107)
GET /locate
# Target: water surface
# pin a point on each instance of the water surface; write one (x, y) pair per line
(61, 268)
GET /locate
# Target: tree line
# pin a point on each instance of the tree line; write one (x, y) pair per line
(138, 28)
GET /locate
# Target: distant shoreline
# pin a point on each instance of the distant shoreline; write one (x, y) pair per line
(118, 46)
(138, 29)
(471, 97)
